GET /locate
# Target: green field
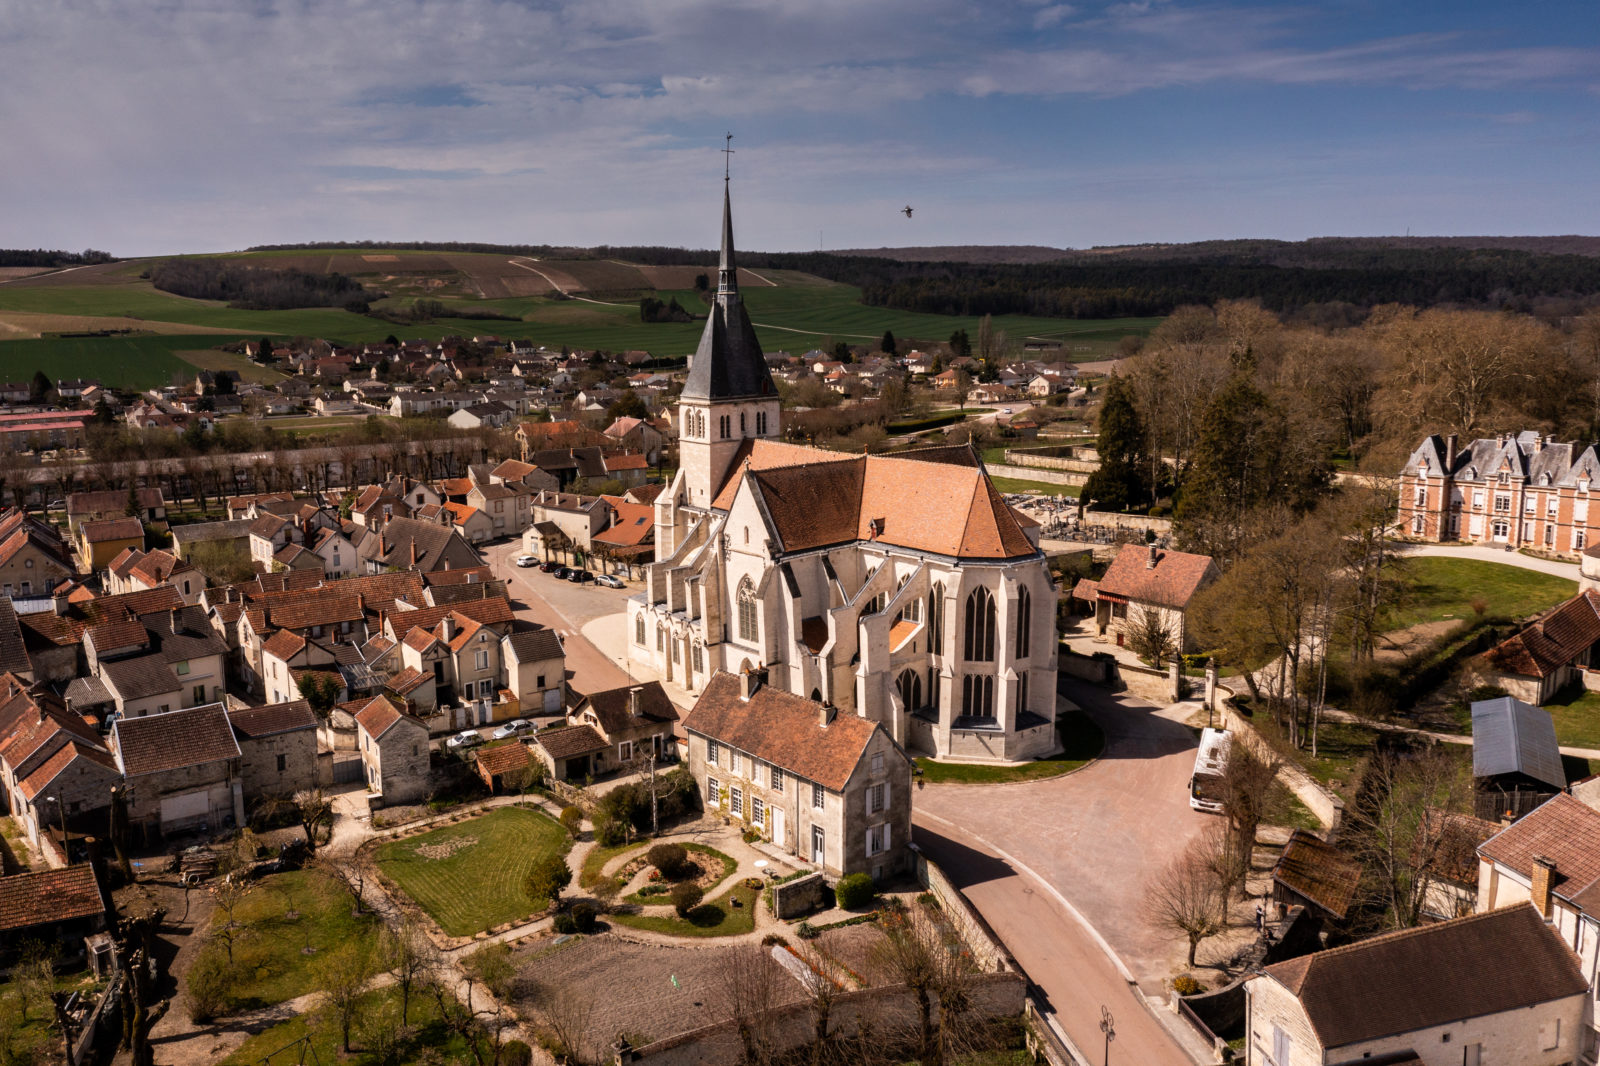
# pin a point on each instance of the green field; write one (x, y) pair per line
(429, 1039)
(270, 963)
(474, 878)
(799, 313)
(1444, 588)
(1037, 488)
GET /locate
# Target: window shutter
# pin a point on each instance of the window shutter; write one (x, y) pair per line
(888, 835)
(866, 796)
(887, 789)
(869, 841)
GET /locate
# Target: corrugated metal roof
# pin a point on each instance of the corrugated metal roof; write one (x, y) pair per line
(1510, 737)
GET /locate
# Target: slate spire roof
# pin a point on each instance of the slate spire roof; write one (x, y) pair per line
(729, 364)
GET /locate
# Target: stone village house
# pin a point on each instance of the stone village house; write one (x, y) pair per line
(833, 789)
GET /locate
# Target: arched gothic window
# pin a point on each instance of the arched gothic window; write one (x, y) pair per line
(747, 611)
(910, 686)
(936, 619)
(697, 659)
(977, 696)
(912, 610)
(979, 631)
(638, 630)
(1024, 621)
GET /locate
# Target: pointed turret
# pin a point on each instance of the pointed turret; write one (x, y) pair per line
(729, 364)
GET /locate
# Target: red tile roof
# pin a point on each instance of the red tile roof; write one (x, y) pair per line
(47, 896)
(1171, 582)
(571, 740)
(1562, 829)
(1552, 642)
(112, 529)
(274, 718)
(503, 758)
(160, 743)
(378, 717)
(782, 729)
(1318, 871)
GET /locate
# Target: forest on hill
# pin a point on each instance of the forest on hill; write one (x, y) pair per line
(42, 257)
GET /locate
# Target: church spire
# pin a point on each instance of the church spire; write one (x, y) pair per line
(729, 363)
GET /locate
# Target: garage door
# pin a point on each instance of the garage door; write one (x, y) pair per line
(552, 701)
(188, 808)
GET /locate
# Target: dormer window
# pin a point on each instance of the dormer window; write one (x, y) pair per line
(1583, 485)
(1505, 477)
(1544, 479)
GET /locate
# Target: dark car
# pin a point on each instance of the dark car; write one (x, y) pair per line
(559, 573)
(548, 567)
(579, 576)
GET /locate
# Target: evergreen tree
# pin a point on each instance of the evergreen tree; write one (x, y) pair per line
(887, 344)
(40, 388)
(960, 345)
(841, 352)
(1122, 482)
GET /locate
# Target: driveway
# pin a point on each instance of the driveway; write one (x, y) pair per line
(1099, 835)
(1485, 553)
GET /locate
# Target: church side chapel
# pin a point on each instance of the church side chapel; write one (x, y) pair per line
(900, 588)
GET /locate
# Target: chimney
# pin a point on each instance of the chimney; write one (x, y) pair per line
(59, 602)
(413, 553)
(825, 714)
(447, 626)
(749, 681)
(1450, 444)
(1538, 444)
(1150, 564)
(1539, 888)
(635, 705)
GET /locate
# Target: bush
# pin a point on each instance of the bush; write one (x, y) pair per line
(929, 900)
(1185, 985)
(571, 821)
(653, 890)
(583, 918)
(772, 940)
(207, 985)
(686, 897)
(670, 859)
(548, 878)
(807, 931)
(515, 1053)
(751, 836)
(609, 832)
(854, 891)
(565, 923)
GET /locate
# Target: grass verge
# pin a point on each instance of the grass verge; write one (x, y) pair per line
(430, 1040)
(1081, 742)
(1037, 488)
(1445, 588)
(469, 876)
(1577, 716)
(596, 860)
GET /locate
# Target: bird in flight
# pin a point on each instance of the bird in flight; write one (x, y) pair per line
(906, 210)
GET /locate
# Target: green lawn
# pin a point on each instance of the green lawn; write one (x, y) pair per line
(719, 917)
(433, 1042)
(136, 362)
(1577, 717)
(14, 844)
(479, 883)
(270, 964)
(729, 865)
(1342, 748)
(1445, 588)
(1038, 488)
(1081, 742)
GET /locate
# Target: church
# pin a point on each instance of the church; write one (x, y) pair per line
(900, 588)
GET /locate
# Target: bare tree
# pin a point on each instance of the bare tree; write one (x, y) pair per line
(227, 894)
(316, 817)
(1151, 637)
(915, 950)
(565, 1013)
(1187, 898)
(1400, 829)
(349, 872)
(341, 976)
(745, 987)
(1247, 785)
(411, 959)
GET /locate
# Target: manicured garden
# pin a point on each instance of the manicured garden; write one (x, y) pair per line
(470, 876)
(1446, 588)
(717, 868)
(1081, 740)
(730, 914)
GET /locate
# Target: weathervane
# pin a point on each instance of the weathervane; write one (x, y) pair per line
(727, 156)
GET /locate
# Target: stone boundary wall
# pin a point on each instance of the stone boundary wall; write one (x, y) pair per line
(1021, 457)
(800, 896)
(1084, 667)
(1029, 473)
(985, 946)
(1147, 684)
(1127, 521)
(991, 995)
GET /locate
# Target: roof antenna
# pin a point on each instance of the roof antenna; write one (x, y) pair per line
(727, 156)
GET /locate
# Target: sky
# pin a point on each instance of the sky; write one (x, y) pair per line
(148, 127)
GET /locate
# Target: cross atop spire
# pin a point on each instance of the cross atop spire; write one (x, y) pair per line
(727, 156)
(727, 269)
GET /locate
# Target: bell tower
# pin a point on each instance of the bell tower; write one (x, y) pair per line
(729, 396)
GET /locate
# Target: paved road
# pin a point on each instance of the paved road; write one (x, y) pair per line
(1093, 837)
(1487, 554)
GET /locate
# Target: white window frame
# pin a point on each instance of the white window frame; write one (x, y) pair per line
(481, 658)
(713, 792)
(736, 801)
(758, 812)
(777, 779)
(819, 797)
(712, 753)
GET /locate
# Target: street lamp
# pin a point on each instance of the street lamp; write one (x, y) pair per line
(1108, 1026)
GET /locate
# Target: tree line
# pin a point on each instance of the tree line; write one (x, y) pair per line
(255, 288)
(41, 257)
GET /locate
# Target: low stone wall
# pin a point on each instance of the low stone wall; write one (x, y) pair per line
(1033, 473)
(800, 896)
(1147, 684)
(1116, 520)
(990, 995)
(1084, 667)
(1328, 808)
(1022, 457)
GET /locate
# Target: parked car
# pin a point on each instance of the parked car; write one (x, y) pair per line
(467, 738)
(515, 727)
(548, 567)
(579, 576)
(560, 573)
(609, 582)
(527, 560)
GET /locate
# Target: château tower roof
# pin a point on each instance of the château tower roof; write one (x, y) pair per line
(729, 364)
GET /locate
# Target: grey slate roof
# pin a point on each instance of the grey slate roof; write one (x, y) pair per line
(535, 645)
(1526, 456)
(728, 364)
(1509, 737)
(134, 679)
